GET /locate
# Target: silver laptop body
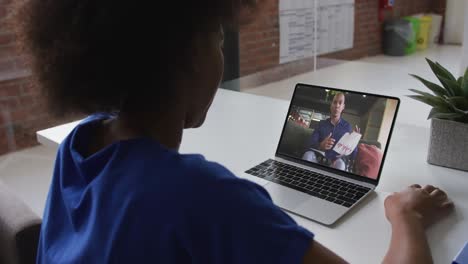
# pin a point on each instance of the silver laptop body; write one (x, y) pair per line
(305, 199)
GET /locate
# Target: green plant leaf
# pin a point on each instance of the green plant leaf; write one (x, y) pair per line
(440, 70)
(459, 102)
(450, 116)
(432, 100)
(464, 84)
(458, 110)
(436, 110)
(435, 88)
(447, 72)
(451, 104)
(422, 93)
(451, 86)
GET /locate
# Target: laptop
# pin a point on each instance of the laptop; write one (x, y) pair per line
(331, 151)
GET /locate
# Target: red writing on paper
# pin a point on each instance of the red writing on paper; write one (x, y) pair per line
(343, 147)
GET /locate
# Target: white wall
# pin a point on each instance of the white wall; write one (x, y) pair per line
(389, 113)
(454, 19)
(464, 60)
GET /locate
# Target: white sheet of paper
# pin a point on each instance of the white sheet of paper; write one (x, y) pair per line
(347, 143)
(299, 20)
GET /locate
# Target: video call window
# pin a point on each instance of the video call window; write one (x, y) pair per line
(343, 130)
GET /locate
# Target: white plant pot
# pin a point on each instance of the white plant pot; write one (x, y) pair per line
(448, 145)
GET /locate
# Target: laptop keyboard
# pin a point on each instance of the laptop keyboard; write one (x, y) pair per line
(316, 184)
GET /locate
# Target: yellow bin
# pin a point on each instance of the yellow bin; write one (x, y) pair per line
(422, 40)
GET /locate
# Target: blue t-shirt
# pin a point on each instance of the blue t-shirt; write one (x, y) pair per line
(324, 129)
(136, 201)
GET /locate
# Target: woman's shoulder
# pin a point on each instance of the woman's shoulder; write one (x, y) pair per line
(186, 172)
(191, 181)
(208, 178)
(203, 171)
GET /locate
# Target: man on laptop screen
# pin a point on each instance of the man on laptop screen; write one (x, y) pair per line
(328, 133)
(342, 130)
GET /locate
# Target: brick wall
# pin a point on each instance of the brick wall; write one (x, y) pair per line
(22, 109)
(259, 41)
(22, 112)
(9, 59)
(439, 6)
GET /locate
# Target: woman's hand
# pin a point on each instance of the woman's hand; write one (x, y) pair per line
(426, 204)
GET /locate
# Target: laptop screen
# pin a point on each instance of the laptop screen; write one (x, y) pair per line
(339, 129)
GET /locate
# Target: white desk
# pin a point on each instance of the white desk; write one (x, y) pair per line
(242, 130)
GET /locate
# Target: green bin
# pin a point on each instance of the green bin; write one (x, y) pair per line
(415, 24)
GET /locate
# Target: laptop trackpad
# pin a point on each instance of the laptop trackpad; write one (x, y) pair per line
(285, 197)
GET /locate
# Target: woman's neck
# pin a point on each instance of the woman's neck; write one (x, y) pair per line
(167, 129)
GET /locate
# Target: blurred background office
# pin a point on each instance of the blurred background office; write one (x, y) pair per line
(288, 38)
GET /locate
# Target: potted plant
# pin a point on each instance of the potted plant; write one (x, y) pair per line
(448, 144)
